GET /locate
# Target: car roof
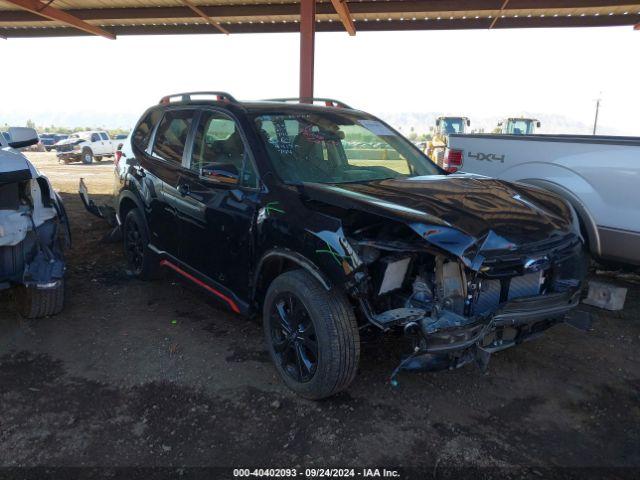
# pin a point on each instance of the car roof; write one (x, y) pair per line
(266, 106)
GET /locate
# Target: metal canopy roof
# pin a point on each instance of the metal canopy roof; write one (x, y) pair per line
(109, 18)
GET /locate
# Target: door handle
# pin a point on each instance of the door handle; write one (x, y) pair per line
(183, 189)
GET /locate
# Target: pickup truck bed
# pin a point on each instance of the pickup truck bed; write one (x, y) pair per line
(598, 175)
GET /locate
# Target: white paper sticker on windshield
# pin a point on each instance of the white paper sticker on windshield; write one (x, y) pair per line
(376, 127)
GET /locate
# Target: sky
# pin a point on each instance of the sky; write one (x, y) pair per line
(99, 82)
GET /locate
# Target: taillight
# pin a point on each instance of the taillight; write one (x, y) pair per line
(452, 160)
(118, 157)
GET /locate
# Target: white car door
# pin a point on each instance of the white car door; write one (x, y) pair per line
(96, 144)
(105, 144)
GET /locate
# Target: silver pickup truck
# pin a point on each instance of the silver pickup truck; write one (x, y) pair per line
(598, 175)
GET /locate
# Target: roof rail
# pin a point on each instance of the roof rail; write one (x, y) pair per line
(187, 97)
(328, 102)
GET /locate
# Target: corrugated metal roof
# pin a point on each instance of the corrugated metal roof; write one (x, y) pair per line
(128, 17)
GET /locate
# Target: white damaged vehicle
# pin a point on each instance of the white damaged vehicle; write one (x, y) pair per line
(34, 230)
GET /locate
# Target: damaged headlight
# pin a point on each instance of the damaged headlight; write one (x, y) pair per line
(77, 148)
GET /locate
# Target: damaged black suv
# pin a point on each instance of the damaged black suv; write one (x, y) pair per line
(327, 222)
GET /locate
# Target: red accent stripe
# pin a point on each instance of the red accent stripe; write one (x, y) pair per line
(232, 304)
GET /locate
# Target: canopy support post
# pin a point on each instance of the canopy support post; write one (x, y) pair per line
(307, 48)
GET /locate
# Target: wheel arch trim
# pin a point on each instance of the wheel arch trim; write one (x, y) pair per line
(298, 259)
(129, 195)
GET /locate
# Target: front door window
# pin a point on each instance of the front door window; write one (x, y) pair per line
(219, 151)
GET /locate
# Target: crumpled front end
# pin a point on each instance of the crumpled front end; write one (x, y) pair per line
(33, 233)
(462, 308)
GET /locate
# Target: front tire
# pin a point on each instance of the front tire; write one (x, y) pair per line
(311, 334)
(87, 156)
(33, 302)
(141, 261)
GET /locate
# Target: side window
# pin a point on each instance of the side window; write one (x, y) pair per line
(95, 137)
(104, 136)
(142, 135)
(218, 151)
(171, 137)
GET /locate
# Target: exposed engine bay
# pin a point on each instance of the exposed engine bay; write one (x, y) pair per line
(456, 314)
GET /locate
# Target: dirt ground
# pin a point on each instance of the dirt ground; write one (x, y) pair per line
(157, 374)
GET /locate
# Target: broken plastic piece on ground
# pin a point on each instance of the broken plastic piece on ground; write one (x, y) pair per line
(605, 295)
(580, 320)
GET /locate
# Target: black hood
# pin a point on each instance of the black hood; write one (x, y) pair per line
(490, 214)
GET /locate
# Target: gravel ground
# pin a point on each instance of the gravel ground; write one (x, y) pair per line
(157, 374)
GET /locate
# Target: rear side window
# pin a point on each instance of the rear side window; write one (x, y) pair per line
(171, 136)
(104, 136)
(143, 133)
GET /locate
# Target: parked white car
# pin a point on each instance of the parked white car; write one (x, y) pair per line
(598, 175)
(85, 147)
(34, 230)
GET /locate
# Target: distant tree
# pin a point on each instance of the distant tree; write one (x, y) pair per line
(31, 124)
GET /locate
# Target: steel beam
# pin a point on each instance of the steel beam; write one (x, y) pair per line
(342, 9)
(307, 47)
(495, 20)
(221, 12)
(46, 11)
(292, 27)
(202, 14)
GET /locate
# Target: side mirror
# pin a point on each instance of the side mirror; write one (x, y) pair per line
(225, 173)
(468, 122)
(131, 161)
(20, 137)
(438, 122)
(538, 124)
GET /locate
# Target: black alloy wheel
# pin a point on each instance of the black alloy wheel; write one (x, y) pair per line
(134, 243)
(311, 334)
(293, 337)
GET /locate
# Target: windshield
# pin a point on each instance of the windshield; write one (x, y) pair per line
(521, 127)
(452, 125)
(338, 148)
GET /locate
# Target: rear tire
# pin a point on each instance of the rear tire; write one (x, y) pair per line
(311, 334)
(142, 262)
(87, 156)
(33, 302)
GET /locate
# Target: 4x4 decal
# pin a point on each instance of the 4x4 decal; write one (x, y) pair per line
(489, 157)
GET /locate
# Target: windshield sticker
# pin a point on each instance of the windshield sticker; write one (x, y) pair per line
(376, 127)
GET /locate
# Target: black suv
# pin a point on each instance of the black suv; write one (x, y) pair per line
(277, 209)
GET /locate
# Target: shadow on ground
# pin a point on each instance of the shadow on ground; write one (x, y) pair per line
(154, 374)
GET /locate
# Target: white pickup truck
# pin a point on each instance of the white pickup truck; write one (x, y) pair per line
(598, 175)
(85, 146)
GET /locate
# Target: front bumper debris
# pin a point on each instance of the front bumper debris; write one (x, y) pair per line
(69, 155)
(106, 212)
(449, 341)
